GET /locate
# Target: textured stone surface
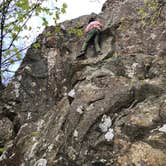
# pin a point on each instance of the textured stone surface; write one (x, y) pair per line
(103, 110)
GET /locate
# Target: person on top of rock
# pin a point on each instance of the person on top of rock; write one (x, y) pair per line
(92, 32)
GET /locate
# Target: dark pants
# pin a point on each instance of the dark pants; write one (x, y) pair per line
(92, 35)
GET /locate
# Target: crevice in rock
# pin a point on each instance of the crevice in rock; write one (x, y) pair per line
(13, 117)
(156, 144)
(136, 133)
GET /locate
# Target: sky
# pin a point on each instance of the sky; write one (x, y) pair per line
(81, 7)
(75, 9)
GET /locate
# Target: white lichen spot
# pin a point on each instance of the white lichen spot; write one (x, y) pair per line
(8, 106)
(64, 88)
(163, 129)
(91, 107)
(40, 124)
(19, 77)
(24, 125)
(86, 152)
(75, 133)
(29, 116)
(80, 109)
(130, 70)
(16, 88)
(44, 155)
(12, 155)
(33, 139)
(109, 135)
(57, 137)
(37, 104)
(22, 164)
(50, 147)
(28, 68)
(65, 94)
(41, 162)
(131, 47)
(153, 36)
(64, 80)
(33, 84)
(72, 93)
(102, 109)
(71, 153)
(3, 156)
(31, 153)
(103, 160)
(60, 158)
(106, 123)
(51, 58)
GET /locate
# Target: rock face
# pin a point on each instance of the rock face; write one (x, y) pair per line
(104, 110)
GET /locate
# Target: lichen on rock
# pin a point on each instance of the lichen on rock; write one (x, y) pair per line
(103, 110)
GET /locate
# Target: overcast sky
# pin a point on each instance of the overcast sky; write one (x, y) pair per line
(81, 7)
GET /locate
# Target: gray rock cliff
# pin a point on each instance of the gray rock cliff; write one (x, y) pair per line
(107, 110)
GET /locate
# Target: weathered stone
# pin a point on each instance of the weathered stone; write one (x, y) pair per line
(103, 110)
(6, 131)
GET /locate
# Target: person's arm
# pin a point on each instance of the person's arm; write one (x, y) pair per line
(88, 28)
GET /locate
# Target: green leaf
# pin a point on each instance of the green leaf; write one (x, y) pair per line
(20, 17)
(24, 4)
(45, 22)
(48, 34)
(36, 45)
(30, 28)
(18, 56)
(16, 28)
(64, 5)
(57, 15)
(13, 35)
(63, 9)
(11, 61)
(15, 49)
(57, 29)
(7, 52)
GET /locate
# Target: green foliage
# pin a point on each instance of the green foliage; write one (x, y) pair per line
(45, 22)
(57, 29)
(36, 45)
(63, 9)
(48, 34)
(11, 61)
(78, 31)
(18, 56)
(14, 19)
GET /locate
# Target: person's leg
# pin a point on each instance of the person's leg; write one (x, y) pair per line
(96, 42)
(89, 37)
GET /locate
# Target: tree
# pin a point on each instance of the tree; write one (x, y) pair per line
(14, 16)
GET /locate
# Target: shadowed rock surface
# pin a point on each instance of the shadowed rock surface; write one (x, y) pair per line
(107, 110)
